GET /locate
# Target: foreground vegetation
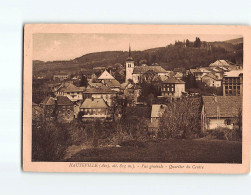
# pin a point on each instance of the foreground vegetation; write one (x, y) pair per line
(169, 151)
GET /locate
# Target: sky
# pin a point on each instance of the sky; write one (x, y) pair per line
(51, 47)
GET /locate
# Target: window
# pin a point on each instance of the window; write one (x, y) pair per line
(228, 122)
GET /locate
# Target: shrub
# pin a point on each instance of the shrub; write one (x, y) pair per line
(224, 134)
(49, 141)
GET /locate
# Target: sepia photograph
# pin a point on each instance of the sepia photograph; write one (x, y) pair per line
(137, 98)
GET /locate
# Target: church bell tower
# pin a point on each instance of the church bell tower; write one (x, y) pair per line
(129, 66)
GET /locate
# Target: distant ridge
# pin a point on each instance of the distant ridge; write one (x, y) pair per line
(235, 41)
(168, 57)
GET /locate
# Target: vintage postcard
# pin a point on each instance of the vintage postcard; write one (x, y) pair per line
(136, 98)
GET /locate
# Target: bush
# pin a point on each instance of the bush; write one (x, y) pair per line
(224, 134)
(49, 141)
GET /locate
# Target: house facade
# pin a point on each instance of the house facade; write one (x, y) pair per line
(172, 88)
(64, 109)
(48, 105)
(94, 108)
(233, 83)
(60, 76)
(220, 112)
(103, 92)
(211, 80)
(71, 91)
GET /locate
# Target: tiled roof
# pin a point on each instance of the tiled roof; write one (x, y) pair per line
(48, 101)
(105, 75)
(211, 76)
(69, 87)
(94, 103)
(174, 80)
(73, 88)
(233, 73)
(222, 106)
(144, 69)
(64, 101)
(157, 110)
(220, 63)
(112, 83)
(98, 90)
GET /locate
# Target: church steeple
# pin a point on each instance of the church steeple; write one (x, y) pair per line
(129, 50)
(129, 65)
(129, 55)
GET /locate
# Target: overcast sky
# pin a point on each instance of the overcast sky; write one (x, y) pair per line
(49, 47)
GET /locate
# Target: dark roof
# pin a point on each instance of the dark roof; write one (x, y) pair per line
(94, 103)
(222, 106)
(112, 83)
(144, 69)
(174, 80)
(48, 101)
(69, 87)
(64, 101)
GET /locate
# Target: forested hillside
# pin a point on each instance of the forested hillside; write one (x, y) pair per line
(188, 55)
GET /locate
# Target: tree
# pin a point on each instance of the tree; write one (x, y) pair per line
(83, 82)
(181, 119)
(187, 43)
(49, 141)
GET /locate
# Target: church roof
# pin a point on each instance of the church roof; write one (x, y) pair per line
(105, 75)
(144, 69)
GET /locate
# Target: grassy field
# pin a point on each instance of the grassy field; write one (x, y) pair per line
(170, 151)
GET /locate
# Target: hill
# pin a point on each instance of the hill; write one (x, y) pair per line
(235, 41)
(170, 57)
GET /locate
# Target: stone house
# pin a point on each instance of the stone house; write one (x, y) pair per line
(48, 105)
(64, 109)
(211, 80)
(172, 88)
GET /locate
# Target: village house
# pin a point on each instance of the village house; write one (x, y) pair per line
(48, 105)
(223, 64)
(94, 108)
(220, 112)
(60, 76)
(108, 80)
(211, 80)
(132, 92)
(198, 73)
(156, 115)
(172, 88)
(64, 109)
(103, 92)
(233, 83)
(71, 91)
(105, 76)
